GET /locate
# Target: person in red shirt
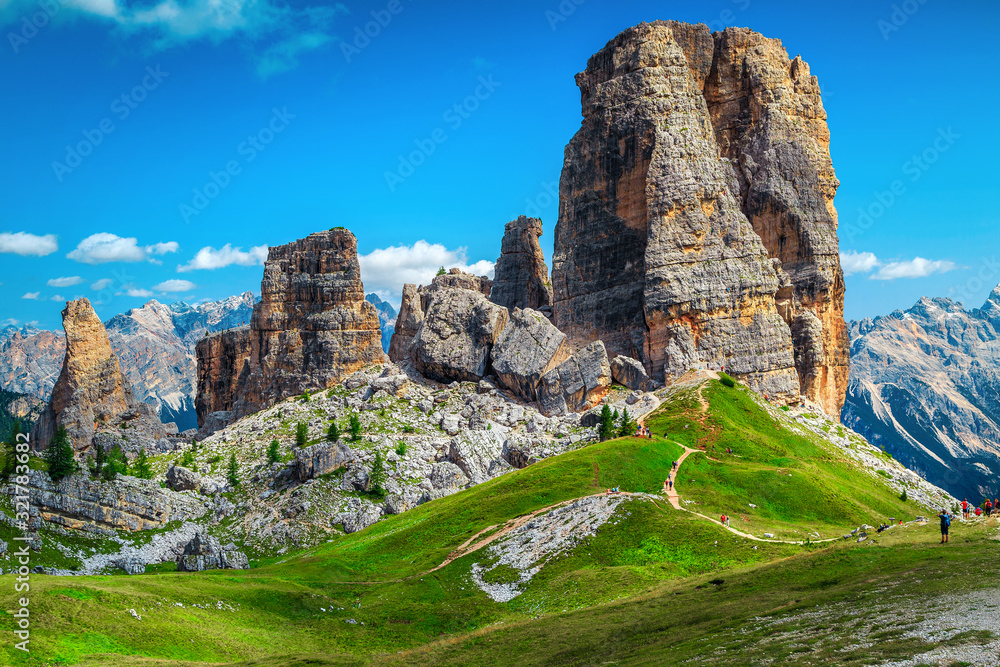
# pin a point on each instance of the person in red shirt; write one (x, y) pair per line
(988, 507)
(965, 508)
(978, 511)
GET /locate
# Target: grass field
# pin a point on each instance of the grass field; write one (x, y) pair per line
(639, 591)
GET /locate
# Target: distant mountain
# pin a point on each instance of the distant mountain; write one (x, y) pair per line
(155, 345)
(19, 408)
(386, 317)
(925, 386)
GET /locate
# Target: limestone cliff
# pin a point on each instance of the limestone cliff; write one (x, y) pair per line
(221, 357)
(521, 278)
(311, 327)
(92, 395)
(665, 250)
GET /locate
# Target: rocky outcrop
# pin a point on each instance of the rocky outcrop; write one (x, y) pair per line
(182, 479)
(628, 372)
(126, 503)
(204, 553)
(925, 387)
(769, 121)
(529, 347)
(655, 251)
(417, 301)
(577, 384)
(221, 358)
(311, 327)
(91, 394)
(321, 459)
(521, 278)
(457, 335)
(386, 318)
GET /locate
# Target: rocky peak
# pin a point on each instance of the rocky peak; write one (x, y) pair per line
(92, 395)
(521, 279)
(311, 327)
(696, 220)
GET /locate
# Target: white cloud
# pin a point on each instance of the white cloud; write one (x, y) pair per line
(57, 297)
(280, 31)
(385, 270)
(918, 267)
(136, 292)
(103, 283)
(103, 247)
(23, 243)
(68, 281)
(10, 322)
(210, 258)
(857, 262)
(175, 285)
(162, 248)
(32, 296)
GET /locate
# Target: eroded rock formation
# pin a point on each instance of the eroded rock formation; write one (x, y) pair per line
(92, 395)
(681, 196)
(311, 327)
(577, 384)
(221, 359)
(521, 278)
(529, 347)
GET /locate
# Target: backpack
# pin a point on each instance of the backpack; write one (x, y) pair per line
(947, 520)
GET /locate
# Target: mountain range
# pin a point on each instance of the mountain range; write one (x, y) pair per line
(925, 387)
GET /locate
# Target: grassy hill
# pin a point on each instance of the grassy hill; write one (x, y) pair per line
(652, 585)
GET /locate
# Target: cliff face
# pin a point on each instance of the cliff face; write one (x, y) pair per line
(666, 250)
(769, 121)
(91, 394)
(312, 325)
(30, 360)
(521, 278)
(221, 358)
(925, 386)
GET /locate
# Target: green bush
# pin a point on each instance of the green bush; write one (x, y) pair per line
(333, 432)
(59, 456)
(142, 469)
(233, 472)
(401, 449)
(273, 453)
(726, 380)
(355, 427)
(301, 434)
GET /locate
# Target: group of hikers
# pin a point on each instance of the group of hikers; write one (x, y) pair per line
(642, 432)
(988, 508)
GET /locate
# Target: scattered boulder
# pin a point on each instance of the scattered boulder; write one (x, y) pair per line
(321, 459)
(577, 384)
(476, 451)
(630, 373)
(529, 347)
(182, 479)
(130, 565)
(204, 553)
(446, 476)
(457, 335)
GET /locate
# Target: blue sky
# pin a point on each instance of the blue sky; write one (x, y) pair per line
(213, 128)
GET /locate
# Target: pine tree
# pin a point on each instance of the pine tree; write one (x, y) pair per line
(117, 464)
(10, 452)
(233, 471)
(59, 456)
(333, 433)
(376, 479)
(606, 426)
(100, 460)
(627, 425)
(355, 426)
(187, 459)
(301, 434)
(273, 455)
(441, 271)
(142, 469)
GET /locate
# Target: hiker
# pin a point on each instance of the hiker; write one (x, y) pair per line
(945, 524)
(965, 508)
(988, 507)
(979, 511)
